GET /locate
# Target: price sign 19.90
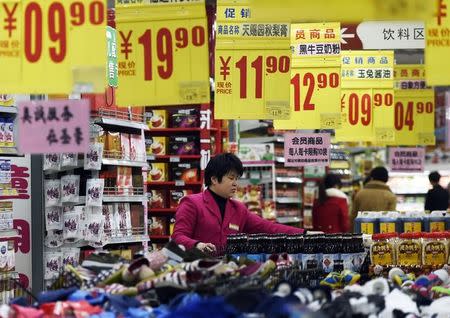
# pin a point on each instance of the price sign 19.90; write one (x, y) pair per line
(158, 55)
(65, 40)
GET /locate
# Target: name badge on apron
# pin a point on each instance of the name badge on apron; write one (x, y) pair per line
(234, 227)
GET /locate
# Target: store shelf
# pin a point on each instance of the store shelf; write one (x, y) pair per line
(121, 123)
(80, 164)
(124, 198)
(173, 158)
(122, 162)
(410, 193)
(288, 200)
(162, 211)
(128, 239)
(289, 219)
(174, 130)
(81, 201)
(8, 109)
(174, 184)
(8, 151)
(279, 159)
(159, 237)
(262, 140)
(10, 233)
(289, 180)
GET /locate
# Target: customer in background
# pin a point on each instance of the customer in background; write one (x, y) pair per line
(204, 220)
(437, 198)
(330, 211)
(376, 194)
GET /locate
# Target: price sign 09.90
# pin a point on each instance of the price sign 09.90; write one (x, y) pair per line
(163, 47)
(252, 67)
(65, 40)
(315, 77)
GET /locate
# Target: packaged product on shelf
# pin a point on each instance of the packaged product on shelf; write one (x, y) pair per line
(3, 256)
(156, 145)
(113, 147)
(52, 161)
(382, 249)
(187, 172)
(353, 254)
(157, 172)
(9, 132)
(435, 249)
(94, 192)
(2, 132)
(367, 222)
(53, 218)
(158, 226)
(409, 249)
(54, 239)
(137, 148)
(176, 196)
(5, 173)
(71, 256)
(52, 264)
(156, 118)
(93, 158)
(310, 256)
(157, 199)
(70, 188)
(137, 113)
(330, 255)
(436, 221)
(109, 224)
(122, 216)
(389, 222)
(94, 226)
(52, 190)
(310, 193)
(184, 118)
(137, 219)
(101, 137)
(124, 181)
(11, 259)
(171, 225)
(268, 211)
(69, 159)
(72, 225)
(6, 215)
(184, 145)
(412, 221)
(125, 146)
(103, 104)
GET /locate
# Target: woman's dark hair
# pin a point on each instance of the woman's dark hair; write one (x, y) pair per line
(222, 164)
(330, 181)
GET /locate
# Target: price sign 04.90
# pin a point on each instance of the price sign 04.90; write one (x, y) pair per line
(159, 55)
(65, 40)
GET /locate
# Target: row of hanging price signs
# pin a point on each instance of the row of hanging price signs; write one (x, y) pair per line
(265, 66)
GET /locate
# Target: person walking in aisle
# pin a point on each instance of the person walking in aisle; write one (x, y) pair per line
(437, 198)
(330, 211)
(204, 220)
(376, 194)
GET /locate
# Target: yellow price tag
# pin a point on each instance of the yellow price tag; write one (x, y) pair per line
(162, 47)
(409, 76)
(278, 110)
(63, 42)
(252, 69)
(437, 46)
(412, 227)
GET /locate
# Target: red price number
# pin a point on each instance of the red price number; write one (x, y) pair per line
(165, 44)
(359, 109)
(57, 26)
(383, 99)
(310, 81)
(272, 64)
(404, 113)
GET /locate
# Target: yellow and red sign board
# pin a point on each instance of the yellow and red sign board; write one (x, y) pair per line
(437, 45)
(409, 76)
(252, 67)
(367, 96)
(315, 77)
(162, 54)
(50, 47)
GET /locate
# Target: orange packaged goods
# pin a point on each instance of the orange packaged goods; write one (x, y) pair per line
(113, 146)
(156, 145)
(157, 199)
(176, 196)
(187, 172)
(103, 104)
(137, 113)
(101, 138)
(158, 226)
(156, 118)
(125, 144)
(157, 172)
(124, 180)
(137, 148)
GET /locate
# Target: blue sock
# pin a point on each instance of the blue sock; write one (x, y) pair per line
(55, 295)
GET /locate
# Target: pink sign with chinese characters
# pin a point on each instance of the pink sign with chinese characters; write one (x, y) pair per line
(55, 126)
(407, 159)
(306, 150)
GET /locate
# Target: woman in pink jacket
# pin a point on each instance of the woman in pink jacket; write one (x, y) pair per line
(204, 220)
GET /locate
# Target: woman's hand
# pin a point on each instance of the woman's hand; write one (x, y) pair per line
(206, 247)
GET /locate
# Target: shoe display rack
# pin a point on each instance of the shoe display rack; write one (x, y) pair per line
(179, 143)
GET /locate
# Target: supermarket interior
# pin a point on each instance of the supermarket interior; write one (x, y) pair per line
(137, 181)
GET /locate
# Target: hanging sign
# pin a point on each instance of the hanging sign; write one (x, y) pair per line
(51, 47)
(163, 53)
(315, 77)
(112, 69)
(367, 96)
(437, 45)
(252, 67)
(306, 149)
(406, 159)
(56, 126)
(409, 76)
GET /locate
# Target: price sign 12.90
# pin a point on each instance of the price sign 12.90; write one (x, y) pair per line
(163, 62)
(65, 40)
